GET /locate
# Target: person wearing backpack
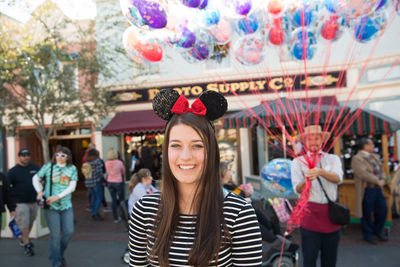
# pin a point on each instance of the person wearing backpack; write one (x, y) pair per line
(93, 172)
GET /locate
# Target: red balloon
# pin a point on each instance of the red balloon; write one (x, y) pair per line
(330, 30)
(150, 51)
(275, 6)
(276, 36)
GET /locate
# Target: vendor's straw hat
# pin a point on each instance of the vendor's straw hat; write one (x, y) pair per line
(313, 129)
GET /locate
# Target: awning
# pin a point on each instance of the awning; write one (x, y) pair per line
(365, 123)
(141, 121)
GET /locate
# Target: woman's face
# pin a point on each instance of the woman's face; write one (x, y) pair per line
(147, 180)
(227, 176)
(186, 154)
(61, 157)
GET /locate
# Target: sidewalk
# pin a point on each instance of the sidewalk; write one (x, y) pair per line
(101, 244)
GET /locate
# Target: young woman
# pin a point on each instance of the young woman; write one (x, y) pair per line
(140, 185)
(192, 222)
(115, 178)
(60, 177)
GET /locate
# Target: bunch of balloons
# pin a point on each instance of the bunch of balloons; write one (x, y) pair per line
(194, 28)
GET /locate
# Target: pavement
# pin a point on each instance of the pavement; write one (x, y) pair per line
(102, 243)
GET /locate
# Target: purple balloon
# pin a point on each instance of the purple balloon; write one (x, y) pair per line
(200, 51)
(135, 2)
(153, 14)
(242, 7)
(191, 3)
(187, 38)
(203, 4)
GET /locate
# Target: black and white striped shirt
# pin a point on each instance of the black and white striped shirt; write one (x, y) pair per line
(241, 223)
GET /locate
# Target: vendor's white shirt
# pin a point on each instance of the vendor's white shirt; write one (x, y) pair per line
(328, 162)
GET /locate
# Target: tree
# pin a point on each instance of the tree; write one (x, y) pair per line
(39, 66)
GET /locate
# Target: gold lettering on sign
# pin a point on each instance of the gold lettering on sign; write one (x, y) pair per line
(179, 90)
(224, 89)
(212, 87)
(244, 86)
(152, 93)
(196, 90)
(289, 82)
(235, 87)
(276, 83)
(260, 84)
(186, 90)
(252, 86)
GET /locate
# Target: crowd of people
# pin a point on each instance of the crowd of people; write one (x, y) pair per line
(199, 216)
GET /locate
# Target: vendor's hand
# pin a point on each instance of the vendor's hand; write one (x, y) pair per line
(313, 173)
(12, 214)
(52, 199)
(381, 183)
(39, 196)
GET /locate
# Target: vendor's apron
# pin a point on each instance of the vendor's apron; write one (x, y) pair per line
(316, 219)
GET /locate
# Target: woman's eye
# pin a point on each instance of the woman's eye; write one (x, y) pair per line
(198, 146)
(174, 145)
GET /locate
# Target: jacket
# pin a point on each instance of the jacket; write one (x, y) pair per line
(5, 195)
(364, 175)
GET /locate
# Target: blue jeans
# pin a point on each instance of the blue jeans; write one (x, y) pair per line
(314, 242)
(373, 202)
(117, 196)
(96, 193)
(61, 226)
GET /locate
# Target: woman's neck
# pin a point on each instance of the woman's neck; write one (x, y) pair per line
(186, 199)
(62, 164)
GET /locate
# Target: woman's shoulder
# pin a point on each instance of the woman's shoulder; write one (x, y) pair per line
(150, 200)
(234, 201)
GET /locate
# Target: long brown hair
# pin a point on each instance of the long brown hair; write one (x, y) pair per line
(208, 200)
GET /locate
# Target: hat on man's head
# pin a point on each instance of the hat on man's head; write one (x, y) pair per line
(313, 129)
(24, 151)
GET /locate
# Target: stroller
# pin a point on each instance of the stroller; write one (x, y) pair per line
(271, 255)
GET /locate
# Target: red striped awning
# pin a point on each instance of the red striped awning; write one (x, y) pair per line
(366, 122)
(142, 121)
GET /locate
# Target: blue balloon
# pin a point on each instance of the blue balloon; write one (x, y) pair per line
(211, 16)
(330, 6)
(368, 27)
(299, 49)
(308, 16)
(277, 176)
(308, 36)
(249, 24)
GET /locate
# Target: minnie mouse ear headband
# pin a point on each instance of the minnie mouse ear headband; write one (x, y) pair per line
(168, 102)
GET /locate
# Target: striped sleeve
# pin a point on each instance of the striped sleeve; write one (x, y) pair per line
(137, 236)
(246, 237)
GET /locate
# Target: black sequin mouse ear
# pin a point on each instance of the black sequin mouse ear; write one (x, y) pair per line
(163, 102)
(215, 103)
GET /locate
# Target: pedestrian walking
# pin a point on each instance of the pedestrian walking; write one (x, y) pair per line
(369, 179)
(24, 195)
(60, 177)
(115, 179)
(5, 199)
